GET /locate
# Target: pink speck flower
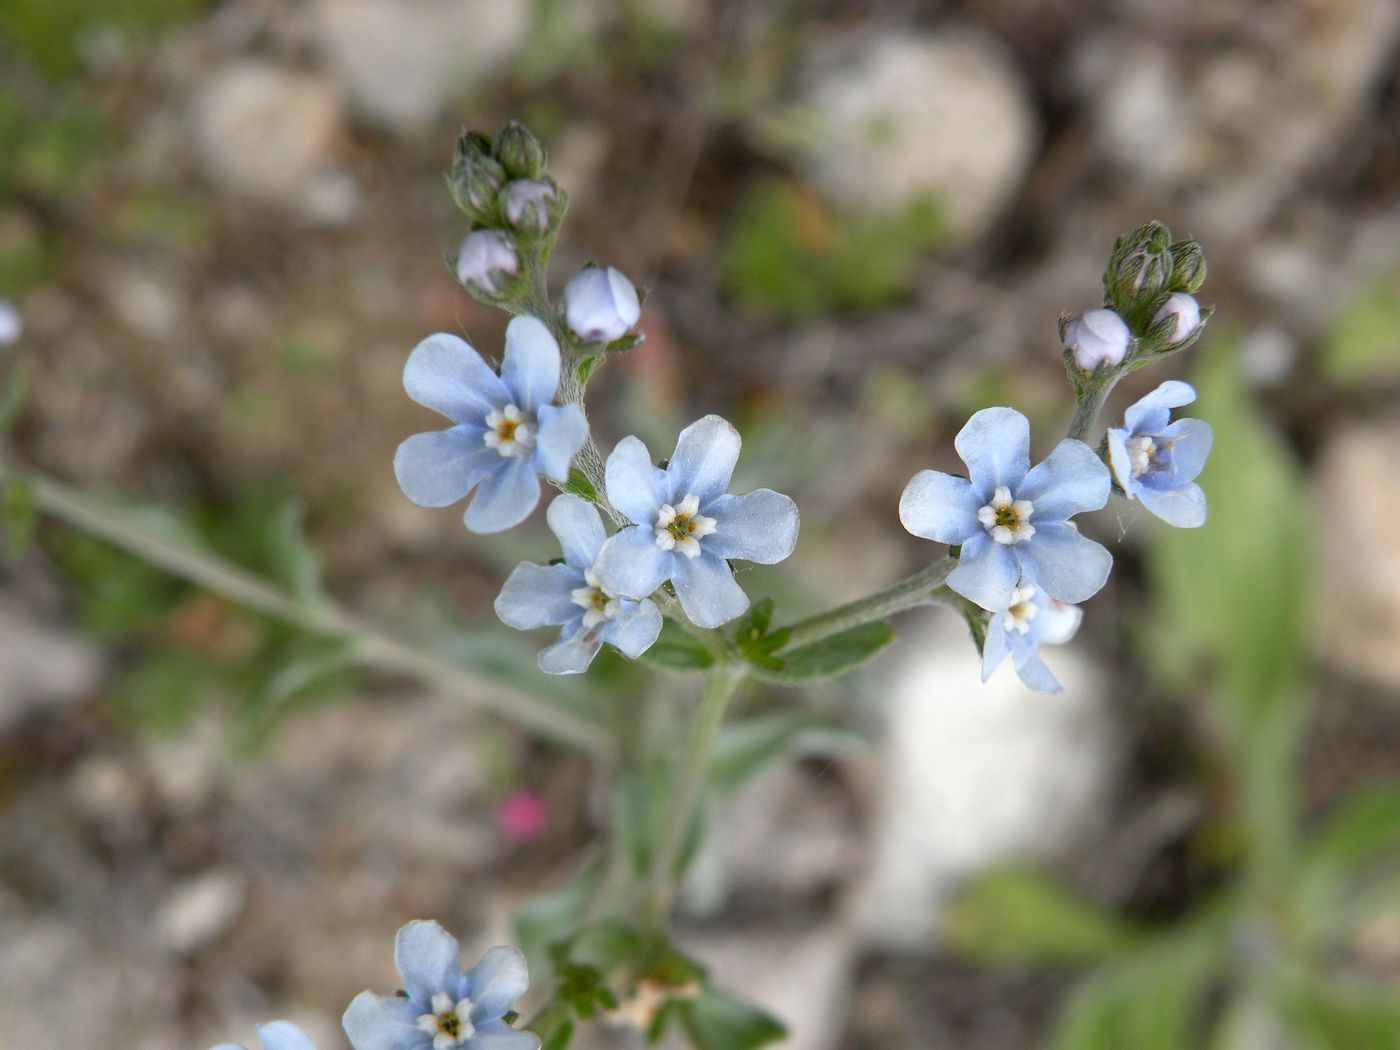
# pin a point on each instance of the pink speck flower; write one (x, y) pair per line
(523, 815)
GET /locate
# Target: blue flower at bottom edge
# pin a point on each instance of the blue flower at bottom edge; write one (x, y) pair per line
(506, 434)
(442, 1006)
(1158, 461)
(276, 1035)
(571, 596)
(1011, 520)
(687, 525)
(1030, 619)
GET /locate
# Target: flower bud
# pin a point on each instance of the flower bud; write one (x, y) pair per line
(520, 153)
(11, 324)
(531, 204)
(601, 305)
(1188, 267)
(1097, 337)
(476, 176)
(485, 260)
(1187, 312)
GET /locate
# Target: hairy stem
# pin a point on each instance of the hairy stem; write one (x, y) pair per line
(371, 646)
(721, 683)
(1090, 405)
(922, 588)
(538, 304)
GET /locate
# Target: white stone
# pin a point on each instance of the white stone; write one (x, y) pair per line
(907, 116)
(200, 909)
(976, 775)
(402, 61)
(40, 666)
(1359, 578)
(271, 133)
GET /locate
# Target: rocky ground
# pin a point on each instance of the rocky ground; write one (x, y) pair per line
(224, 228)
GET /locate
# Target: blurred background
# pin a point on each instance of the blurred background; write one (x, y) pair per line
(223, 225)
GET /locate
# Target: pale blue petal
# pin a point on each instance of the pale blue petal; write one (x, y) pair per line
(704, 460)
(438, 468)
(631, 564)
(707, 589)
(428, 958)
(996, 446)
(283, 1035)
(579, 529)
(505, 498)
(1057, 622)
(572, 653)
(760, 526)
(941, 507)
(636, 630)
(383, 1022)
(1038, 677)
(1072, 480)
(445, 374)
(538, 596)
(1183, 506)
(1191, 440)
(1069, 566)
(986, 572)
(635, 486)
(1122, 462)
(993, 646)
(496, 982)
(562, 432)
(1150, 414)
(497, 1035)
(530, 367)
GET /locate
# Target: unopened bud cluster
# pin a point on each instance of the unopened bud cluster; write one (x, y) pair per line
(1149, 310)
(502, 185)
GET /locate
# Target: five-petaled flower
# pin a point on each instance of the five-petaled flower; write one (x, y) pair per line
(1011, 521)
(571, 596)
(1030, 619)
(277, 1035)
(506, 433)
(1158, 461)
(687, 525)
(442, 1006)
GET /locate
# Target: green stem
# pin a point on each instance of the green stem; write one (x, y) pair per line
(1091, 404)
(721, 683)
(922, 588)
(538, 304)
(371, 645)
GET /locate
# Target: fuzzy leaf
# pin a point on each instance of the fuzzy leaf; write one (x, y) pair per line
(832, 656)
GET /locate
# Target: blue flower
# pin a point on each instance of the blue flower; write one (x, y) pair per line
(1012, 521)
(506, 430)
(1158, 461)
(442, 1006)
(571, 596)
(1030, 619)
(687, 525)
(278, 1035)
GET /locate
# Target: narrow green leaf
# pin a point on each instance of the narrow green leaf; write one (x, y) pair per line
(1341, 1017)
(719, 1021)
(554, 916)
(19, 517)
(579, 485)
(12, 392)
(295, 561)
(677, 650)
(744, 749)
(1018, 915)
(835, 655)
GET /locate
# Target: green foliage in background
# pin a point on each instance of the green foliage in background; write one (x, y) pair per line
(1365, 343)
(791, 256)
(186, 648)
(1256, 963)
(53, 33)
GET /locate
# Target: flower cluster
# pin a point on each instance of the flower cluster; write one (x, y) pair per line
(442, 1006)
